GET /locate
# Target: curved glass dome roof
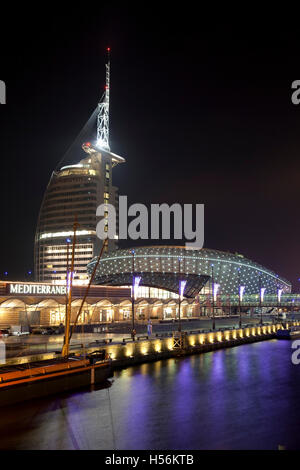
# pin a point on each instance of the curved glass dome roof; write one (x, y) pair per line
(153, 262)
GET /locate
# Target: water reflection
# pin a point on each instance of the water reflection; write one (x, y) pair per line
(239, 398)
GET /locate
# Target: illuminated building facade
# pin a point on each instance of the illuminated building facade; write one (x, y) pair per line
(74, 190)
(33, 304)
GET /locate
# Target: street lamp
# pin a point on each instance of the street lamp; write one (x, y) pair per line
(279, 292)
(215, 288)
(182, 285)
(261, 299)
(135, 284)
(241, 293)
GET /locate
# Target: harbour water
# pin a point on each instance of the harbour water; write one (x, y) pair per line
(247, 397)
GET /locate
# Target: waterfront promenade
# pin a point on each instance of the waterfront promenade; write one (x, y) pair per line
(125, 352)
(116, 332)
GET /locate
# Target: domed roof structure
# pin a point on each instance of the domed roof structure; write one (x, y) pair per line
(163, 266)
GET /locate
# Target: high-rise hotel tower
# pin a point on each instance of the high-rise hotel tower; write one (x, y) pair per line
(77, 190)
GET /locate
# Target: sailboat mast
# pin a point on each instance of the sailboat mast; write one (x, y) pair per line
(70, 273)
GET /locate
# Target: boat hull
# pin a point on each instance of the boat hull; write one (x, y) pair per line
(54, 384)
(287, 334)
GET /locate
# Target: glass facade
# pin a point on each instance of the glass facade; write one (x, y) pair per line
(227, 269)
(74, 190)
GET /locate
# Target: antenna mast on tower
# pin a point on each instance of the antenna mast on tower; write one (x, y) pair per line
(103, 112)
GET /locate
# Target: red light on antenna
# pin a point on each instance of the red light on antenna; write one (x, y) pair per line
(108, 49)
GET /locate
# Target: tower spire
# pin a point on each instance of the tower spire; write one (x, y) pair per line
(103, 111)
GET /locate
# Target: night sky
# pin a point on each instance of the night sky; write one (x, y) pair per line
(200, 108)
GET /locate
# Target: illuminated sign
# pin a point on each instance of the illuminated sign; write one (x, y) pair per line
(37, 289)
(182, 285)
(135, 285)
(279, 292)
(242, 290)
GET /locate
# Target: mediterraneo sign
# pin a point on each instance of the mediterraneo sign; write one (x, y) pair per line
(39, 289)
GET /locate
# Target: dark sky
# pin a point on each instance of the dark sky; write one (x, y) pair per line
(200, 108)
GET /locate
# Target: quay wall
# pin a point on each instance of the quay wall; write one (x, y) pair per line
(143, 350)
(124, 355)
